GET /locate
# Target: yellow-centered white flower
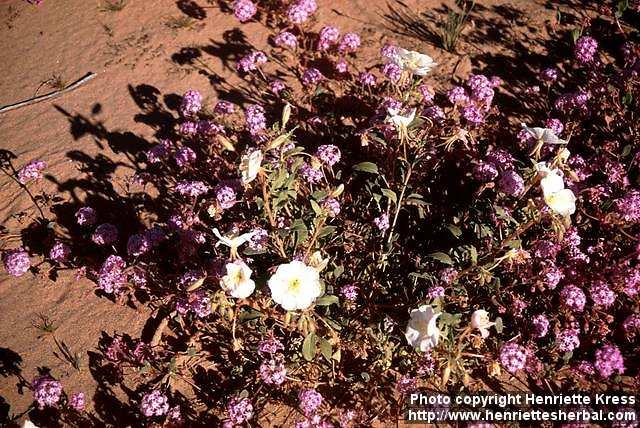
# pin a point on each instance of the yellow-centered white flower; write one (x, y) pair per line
(559, 199)
(237, 282)
(480, 321)
(422, 331)
(295, 285)
(250, 166)
(400, 121)
(416, 63)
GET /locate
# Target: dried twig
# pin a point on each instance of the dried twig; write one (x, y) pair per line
(50, 95)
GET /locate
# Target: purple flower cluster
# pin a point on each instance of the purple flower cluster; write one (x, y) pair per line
(350, 43)
(513, 356)
(259, 239)
(300, 11)
(609, 361)
(309, 400)
(270, 345)
(16, 262)
(511, 183)
(628, 207)
(328, 37)
(105, 234)
(273, 371)
(225, 196)
(435, 292)
(224, 107)
(392, 71)
(332, 207)
(46, 391)
(585, 49)
(540, 326)
(198, 302)
(192, 189)
(567, 340)
(77, 401)
(137, 245)
(244, 10)
(184, 156)
(328, 154)
(367, 79)
(573, 298)
(573, 102)
(154, 403)
(31, 171)
(286, 39)
(111, 277)
(191, 103)
(251, 61)
(239, 410)
(349, 292)
(382, 222)
(310, 174)
(311, 76)
(60, 252)
(601, 294)
(549, 75)
(86, 216)
(255, 120)
(485, 172)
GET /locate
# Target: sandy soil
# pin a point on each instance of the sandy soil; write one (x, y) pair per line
(145, 56)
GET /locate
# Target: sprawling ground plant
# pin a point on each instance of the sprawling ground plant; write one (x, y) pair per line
(356, 236)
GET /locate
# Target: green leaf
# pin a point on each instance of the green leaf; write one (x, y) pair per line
(499, 325)
(366, 167)
(327, 300)
(390, 194)
(338, 271)
(325, 348)
(455, 230)
(309, 347)
(442, 257)
(327, 230)
(316, 207)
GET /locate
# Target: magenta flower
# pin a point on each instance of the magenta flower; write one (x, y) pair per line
(31, 171)
(16, 262)
(609, 361)
(191, 103)
(77, 401)
(105, 234)
(513, 356)
(46, 391)
(154, 403)
(60, 252)
(244, 10)
(311, 76)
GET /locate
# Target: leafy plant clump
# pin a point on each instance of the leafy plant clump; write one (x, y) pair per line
(355, 236)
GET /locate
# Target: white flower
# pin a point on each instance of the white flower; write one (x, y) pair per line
(250, 166)
(232, 242)
(295, 285)
(480, 321)
(562, 202)
(237, 282)
(415, 62)
(422, 331)
(545, 135)
(398, 120)
(559, 199)
(28, 424)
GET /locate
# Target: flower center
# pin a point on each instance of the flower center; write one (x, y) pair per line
(294, 286)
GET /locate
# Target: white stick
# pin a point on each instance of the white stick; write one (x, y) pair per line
(50, 95)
